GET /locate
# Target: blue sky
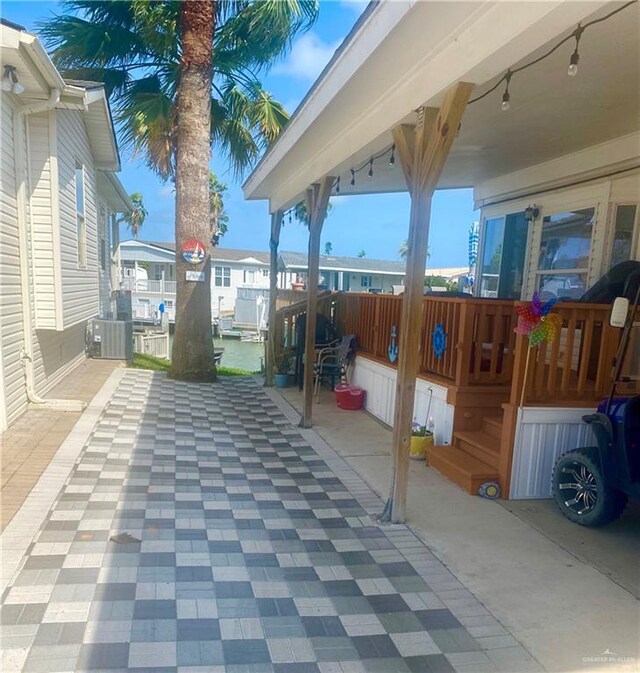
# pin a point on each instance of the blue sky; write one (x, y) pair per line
(377, 223)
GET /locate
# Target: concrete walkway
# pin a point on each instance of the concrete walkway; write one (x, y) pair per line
(567, 614)
(193, 528)
(28, 446)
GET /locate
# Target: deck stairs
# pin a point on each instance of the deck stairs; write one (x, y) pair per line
(472, 458)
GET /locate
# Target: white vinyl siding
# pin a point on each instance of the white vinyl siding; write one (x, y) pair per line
(81, 293)
(104, 261)
(42, 259)
(11, 332)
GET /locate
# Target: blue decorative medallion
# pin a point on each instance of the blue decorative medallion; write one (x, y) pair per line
(439, 340)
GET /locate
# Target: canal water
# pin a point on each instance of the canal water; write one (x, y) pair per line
(237, 354)
(241, 354)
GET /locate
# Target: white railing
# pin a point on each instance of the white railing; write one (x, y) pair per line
(166, 287)
(150, 312)
(152, 344)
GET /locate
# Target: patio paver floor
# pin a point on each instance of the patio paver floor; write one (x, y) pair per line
(247, 551)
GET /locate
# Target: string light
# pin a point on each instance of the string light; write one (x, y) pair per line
(506, 96)
(573, 61)
(353, 178)
(338, 185)
(370, 173)
(392, 159)
(572, 71)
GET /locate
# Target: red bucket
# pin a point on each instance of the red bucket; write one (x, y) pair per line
(349, 397)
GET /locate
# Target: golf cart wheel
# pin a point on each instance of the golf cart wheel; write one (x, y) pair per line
(581, 491)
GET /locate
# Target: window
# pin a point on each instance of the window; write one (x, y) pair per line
(249, 276)
(222, 276)
(103, 254)
(81, 223)
(168, 303)
(265, 273)
(503, 254)
(365, 281)
(565, 247)
(115, 234)
(623, 237)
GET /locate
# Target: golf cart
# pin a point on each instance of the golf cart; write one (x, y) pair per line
(591, 485)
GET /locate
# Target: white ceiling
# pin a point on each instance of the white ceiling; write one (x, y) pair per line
(551, 113)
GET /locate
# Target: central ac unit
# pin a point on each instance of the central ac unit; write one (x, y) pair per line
(111, 339)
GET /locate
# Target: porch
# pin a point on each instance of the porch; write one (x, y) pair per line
(496, 419)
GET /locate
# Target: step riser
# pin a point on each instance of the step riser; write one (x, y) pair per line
(460, 468)
(485, 455)
(455, 475)
(493, 429)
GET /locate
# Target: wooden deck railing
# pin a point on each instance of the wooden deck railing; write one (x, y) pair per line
(576, 367)
(481, 346)
(479, 334)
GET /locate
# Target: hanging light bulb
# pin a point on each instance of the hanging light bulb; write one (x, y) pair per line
(338, 185)
(506, 96)
(353, 177)
(289, 217)
(392, 159)
(572, 71)
(370, 173)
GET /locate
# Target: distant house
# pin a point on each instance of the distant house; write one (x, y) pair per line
(349, 274)
(148, 271)
(59, 199)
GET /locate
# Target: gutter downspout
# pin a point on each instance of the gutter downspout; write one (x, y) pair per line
(26, 355)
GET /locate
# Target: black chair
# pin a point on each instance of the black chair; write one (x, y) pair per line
(326, 334)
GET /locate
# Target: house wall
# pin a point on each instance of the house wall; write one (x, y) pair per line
(43, 258)
(14, 397)
(556, 187)
(542, 435)
(107, 299)
(379, 382)
(62, 296)
(348, 281)
(80, 298)
(229, 294)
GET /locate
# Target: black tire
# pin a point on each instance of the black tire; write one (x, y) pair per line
(581, 492)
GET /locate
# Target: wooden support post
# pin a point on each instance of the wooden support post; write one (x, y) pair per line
(317, 200)
(273, 347)
(422, 150)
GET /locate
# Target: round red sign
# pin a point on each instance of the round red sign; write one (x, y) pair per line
(194, 252)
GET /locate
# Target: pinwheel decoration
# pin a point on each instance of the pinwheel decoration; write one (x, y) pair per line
(536, 321)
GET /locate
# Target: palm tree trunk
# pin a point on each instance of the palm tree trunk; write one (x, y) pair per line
(192, 354)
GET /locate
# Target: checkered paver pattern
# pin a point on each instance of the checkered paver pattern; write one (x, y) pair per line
(200, 532)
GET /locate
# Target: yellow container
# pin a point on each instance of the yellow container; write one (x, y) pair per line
(417, 450)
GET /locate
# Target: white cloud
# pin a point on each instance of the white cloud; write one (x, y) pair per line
(308, 57)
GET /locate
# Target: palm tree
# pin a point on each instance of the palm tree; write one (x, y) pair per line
(328, 248)
(180, 73)
(403, 250)
(135, 219)
(362, 253)
(218, 218)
